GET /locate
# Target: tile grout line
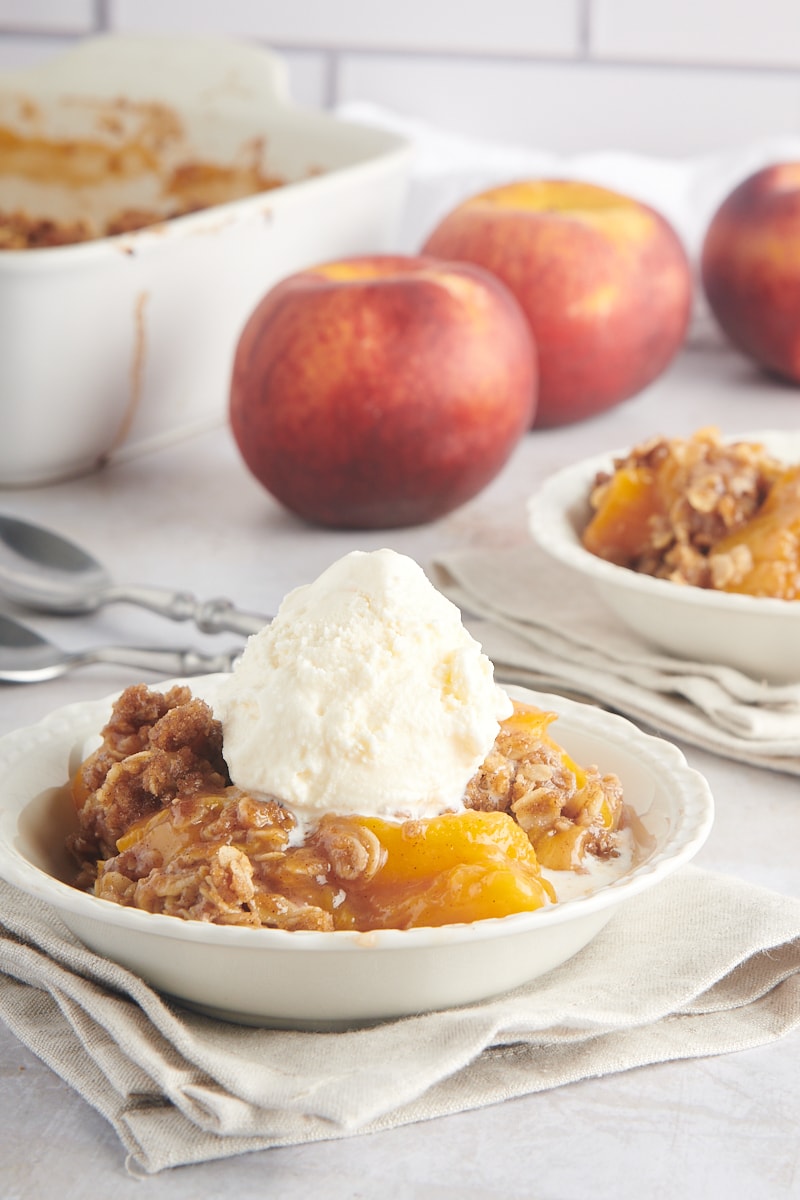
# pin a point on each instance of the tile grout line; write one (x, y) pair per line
(101, 16)
(585, 29)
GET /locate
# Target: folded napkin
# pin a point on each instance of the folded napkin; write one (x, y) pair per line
(702, 964)
(542, 631)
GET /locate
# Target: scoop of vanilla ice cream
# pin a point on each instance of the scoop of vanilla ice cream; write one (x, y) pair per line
(365, 695)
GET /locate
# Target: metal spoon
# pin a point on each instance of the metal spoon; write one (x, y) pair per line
(43, 570)
(27, 657)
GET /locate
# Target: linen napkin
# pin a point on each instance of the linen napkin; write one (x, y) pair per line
(542, 631)
(702, 964)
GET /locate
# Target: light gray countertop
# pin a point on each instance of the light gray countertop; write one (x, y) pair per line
(191, 517)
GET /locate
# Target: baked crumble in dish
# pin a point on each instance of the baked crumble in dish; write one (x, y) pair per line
(134, 156)
(702, 512)
(22, 231)
(161, 828)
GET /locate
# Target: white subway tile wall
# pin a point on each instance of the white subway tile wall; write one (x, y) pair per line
(581, 106)
(48, 16)
(734, 33)
(415, 26)
(674, 78)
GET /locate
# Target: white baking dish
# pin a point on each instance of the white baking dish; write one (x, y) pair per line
(118, 345)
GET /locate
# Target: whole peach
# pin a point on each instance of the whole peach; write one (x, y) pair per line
(384, 391)
(750, 267)
(602, 278)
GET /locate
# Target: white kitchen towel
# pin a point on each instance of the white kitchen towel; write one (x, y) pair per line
(702, 964)
(541, 630)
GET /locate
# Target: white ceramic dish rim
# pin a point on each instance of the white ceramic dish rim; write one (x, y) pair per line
(556, 509)
(83, 719)
(152, 237)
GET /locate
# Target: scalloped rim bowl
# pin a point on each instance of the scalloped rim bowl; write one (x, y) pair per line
(335, 980)
(760, 637)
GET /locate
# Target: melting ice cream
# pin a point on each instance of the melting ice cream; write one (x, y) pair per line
(365, 694)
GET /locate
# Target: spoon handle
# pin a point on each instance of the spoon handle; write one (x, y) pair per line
(210, 616)
(166, 662)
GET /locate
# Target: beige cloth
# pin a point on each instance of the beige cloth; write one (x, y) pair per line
(542, 631)
(702, 964)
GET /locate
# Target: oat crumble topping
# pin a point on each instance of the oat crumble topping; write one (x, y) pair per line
(161, 827)
(701, 512)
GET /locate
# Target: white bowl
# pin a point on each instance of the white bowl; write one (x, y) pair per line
(331, 980)
(760, 637)
(120, 345)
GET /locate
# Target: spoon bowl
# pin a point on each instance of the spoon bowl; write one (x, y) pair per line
(42, 569)
(48, 572)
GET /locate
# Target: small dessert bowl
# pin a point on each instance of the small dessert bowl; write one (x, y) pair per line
(331, 980)
(759, 636)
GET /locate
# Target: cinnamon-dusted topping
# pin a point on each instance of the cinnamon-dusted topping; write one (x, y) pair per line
(155, 748)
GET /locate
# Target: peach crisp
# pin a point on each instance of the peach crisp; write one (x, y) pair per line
(700, 511)
(161, 828)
